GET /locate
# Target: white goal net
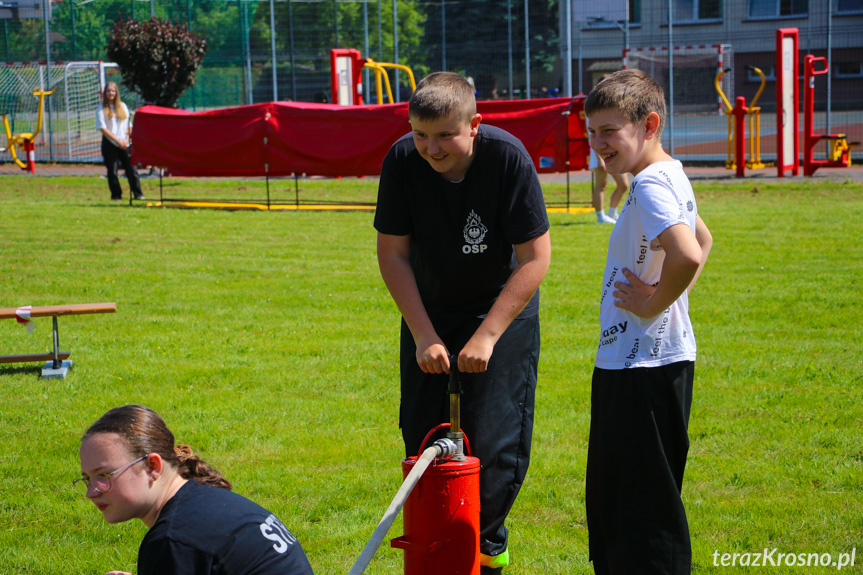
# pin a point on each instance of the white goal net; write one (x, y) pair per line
(69, 131)
(695, 70)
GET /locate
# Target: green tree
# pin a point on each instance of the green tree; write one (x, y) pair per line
(158, 59)
(321, 26)
(478, 34)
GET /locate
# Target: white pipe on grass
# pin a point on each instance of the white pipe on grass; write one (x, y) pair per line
(444, 448)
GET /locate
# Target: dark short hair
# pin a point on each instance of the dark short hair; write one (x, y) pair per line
(632, 92)
(443, 95)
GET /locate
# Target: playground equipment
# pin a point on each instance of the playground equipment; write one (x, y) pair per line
(26, 141)
(737, 115)
(441, 516)
(57, 363)
(839, 149)
(787, 103)
(346, 64)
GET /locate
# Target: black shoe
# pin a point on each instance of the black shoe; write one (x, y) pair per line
(116, 199)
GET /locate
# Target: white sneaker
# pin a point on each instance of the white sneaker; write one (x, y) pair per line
(602, 218)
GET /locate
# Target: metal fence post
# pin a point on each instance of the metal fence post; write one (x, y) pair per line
(273, 48)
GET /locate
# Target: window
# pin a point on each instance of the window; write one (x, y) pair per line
(778, 8)
(849, 6)
(848, 69)
(695, 10)
(599, 18)
(768, 71)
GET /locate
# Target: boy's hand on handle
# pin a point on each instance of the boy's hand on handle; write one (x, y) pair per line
(634, 296)
(475, 355)
(432, 356)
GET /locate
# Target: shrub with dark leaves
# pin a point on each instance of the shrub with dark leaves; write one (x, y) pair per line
(157, 59)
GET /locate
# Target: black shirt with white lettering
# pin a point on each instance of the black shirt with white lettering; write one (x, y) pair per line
(462, 234)
(206, 530)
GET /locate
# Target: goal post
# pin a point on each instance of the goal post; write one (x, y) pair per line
(69, 131)
(695, 70)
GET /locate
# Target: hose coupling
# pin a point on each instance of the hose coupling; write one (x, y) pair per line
(446, 448)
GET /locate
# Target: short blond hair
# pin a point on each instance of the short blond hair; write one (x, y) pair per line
(633, 93)
(443, 95)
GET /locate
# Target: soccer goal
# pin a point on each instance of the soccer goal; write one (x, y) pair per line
(69, 131)
(695, 69)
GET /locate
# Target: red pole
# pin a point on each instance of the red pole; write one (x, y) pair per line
(30, 151)
(740, 135)
(809, 139)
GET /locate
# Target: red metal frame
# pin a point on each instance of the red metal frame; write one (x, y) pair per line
(357, 62)
(784, 164)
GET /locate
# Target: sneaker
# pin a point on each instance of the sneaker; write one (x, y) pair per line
(140, 197)
(116, 199)
(493, 564)
(602, 218)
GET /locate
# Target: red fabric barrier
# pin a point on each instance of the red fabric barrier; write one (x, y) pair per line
(283, 138)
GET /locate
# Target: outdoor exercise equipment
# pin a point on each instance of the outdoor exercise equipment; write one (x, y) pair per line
(787, 102)
(441, 503)
(346, 65)
(839, 149)
(57, 362)
(737, 116)
(26, 140)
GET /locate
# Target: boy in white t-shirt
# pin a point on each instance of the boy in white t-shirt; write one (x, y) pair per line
(642, 383)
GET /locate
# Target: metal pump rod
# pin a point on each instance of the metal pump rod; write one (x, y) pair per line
(455, 390)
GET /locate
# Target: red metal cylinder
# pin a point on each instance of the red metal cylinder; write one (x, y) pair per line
(441, 519)
(30, 152)
(739, 112)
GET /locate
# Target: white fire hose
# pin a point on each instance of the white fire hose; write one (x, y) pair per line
(442, 449)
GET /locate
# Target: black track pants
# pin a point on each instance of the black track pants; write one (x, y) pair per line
(635, 461)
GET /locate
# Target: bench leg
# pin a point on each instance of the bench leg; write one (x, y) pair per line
(56, 368)
(51, 372)
(56, 338)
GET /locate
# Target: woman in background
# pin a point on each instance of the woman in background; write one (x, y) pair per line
(131, 469)
(113, 122)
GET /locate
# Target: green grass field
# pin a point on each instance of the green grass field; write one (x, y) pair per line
(269, 343)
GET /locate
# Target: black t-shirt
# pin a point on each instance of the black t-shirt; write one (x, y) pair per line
(206, 530)
(462, 234)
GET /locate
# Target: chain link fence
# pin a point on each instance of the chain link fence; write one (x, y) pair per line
(265, 50)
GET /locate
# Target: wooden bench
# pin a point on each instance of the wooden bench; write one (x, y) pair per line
(57, 362)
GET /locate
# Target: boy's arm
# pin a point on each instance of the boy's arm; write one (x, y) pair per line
(705, 240)
(533, 258)
(394, 263)
(683, 259)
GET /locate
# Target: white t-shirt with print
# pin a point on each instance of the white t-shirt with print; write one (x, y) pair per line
(660, 197)
(120, 128)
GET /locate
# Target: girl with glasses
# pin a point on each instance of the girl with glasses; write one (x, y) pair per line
(197, 525)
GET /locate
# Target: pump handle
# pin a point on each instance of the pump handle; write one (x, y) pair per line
(454, 379)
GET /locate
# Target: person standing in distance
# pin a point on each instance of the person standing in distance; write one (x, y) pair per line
(197, 526)
(641, 392)
(600, 180)
(113, 121)
(463, 245)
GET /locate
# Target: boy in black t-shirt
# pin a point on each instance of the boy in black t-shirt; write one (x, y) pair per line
(463, 245)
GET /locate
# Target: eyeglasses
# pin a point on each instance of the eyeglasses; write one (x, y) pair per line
(101, 483)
